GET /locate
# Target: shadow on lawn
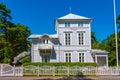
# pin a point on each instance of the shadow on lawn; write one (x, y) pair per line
(67, 78)
(78, 76)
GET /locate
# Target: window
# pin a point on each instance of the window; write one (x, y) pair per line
(67, 24)
(45, 41)
(80, 24)
(67, 38)
(81, 38)
(81, 57)
(45, 58)
(68, 57)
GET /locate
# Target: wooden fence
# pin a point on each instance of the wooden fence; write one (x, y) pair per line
(7, 70)
(74, 70)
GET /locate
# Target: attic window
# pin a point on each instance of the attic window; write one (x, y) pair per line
(45, 41)
(67, 24)
(80, 24)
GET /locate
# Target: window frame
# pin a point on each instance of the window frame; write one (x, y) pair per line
(45, 57)
(81, 57)
(68, 57)
(81, 38)
(45, 41)
(67, 38)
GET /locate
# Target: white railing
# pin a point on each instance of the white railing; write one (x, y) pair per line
(7, 70)
(74, 70)
(45, 46)
(18, 71)
(108, 71)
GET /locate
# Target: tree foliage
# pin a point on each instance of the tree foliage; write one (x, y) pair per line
(109, 45)
(94, 41)
(118, 21)
(4, 13)
(13, 37)
(93, 37)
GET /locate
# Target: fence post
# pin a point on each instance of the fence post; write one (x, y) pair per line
(96, 70)
(118, 71)
(110, 69)
(22, 70)
(1, 70)
(14, 71)
(38, 70)
(68, 72)
(53, 69)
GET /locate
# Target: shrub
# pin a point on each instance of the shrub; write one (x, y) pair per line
(25, 59)
(60, 64)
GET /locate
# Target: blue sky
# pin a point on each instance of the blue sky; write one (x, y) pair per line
(40, 15)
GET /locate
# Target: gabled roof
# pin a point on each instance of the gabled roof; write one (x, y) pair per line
(39, 36)
(73, 16)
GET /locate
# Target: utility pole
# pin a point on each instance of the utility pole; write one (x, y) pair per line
(116, 40)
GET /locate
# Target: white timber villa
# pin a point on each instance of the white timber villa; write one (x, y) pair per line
(71, 43)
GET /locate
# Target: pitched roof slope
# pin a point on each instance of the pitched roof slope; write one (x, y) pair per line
(39, 36)
(73, 16)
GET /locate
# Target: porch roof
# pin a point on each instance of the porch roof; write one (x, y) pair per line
(99, 51)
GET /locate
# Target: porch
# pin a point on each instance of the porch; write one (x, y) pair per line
(100, 57)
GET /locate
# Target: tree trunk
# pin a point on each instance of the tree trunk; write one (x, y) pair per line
(11, 61)
(11, 57)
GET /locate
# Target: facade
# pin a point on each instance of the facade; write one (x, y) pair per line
(71, 43)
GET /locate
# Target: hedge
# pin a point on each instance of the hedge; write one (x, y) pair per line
(60, 64)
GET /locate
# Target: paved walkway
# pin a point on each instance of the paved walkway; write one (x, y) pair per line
(78, 78)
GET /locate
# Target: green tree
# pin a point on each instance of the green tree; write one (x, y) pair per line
(3, 47)
(17, 38)
(93, 37)
(94, 41)
(4, 14)
(4, 21)
(13, 36)
(5, 18)
(109, 45)
(118, 21)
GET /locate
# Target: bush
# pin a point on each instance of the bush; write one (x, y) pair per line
(61, 64)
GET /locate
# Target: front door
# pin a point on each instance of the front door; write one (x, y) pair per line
(45, 58)
(101, 61)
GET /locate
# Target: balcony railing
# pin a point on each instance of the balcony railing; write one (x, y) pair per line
(45, 46)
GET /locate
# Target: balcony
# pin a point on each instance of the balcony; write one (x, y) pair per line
(45, 47)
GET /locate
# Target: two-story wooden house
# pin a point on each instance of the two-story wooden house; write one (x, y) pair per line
(71, 43)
